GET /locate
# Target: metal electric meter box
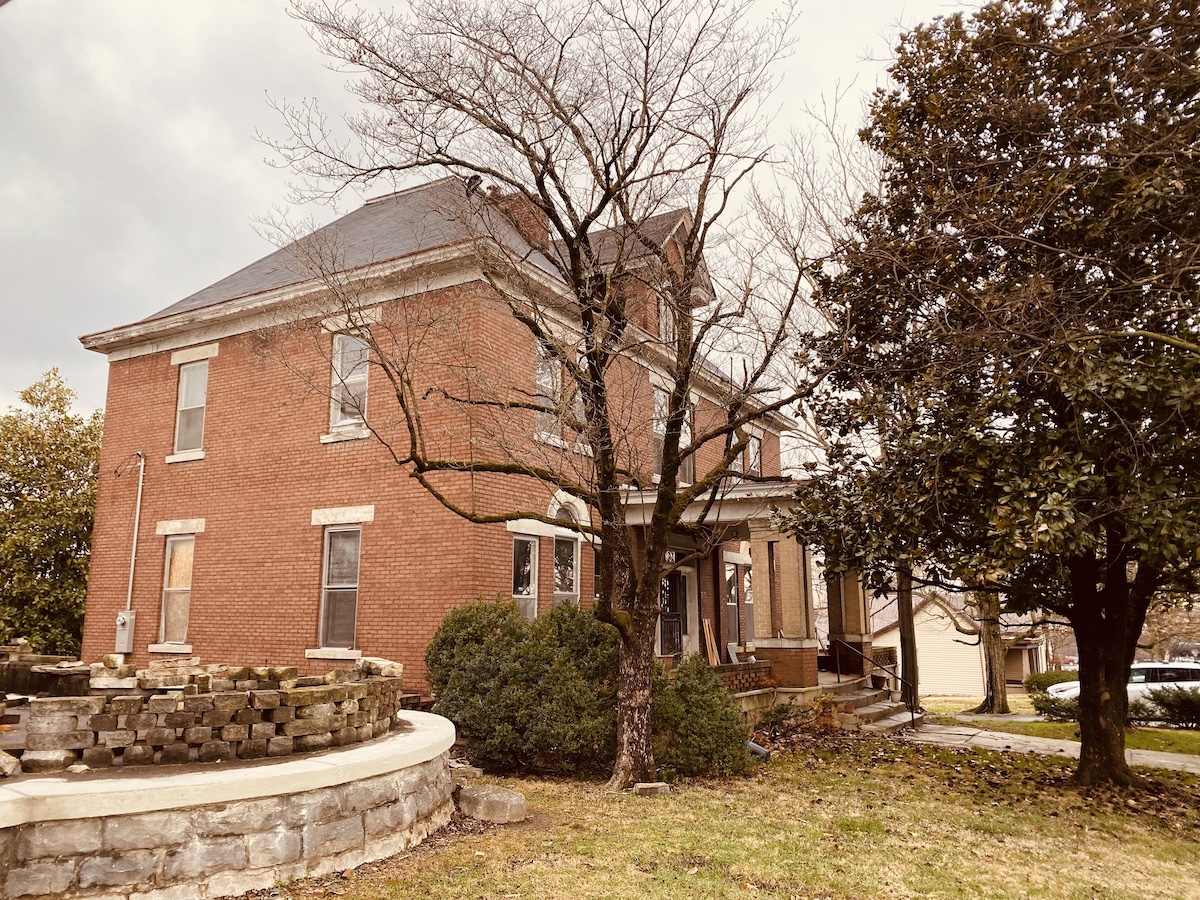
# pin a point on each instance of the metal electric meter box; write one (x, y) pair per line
(124, 642)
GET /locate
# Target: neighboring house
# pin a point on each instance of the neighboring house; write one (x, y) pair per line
(949, 656)
(274, 526)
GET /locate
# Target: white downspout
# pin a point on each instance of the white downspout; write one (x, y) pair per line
(137, 518)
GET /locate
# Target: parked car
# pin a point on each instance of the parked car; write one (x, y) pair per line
(1144, 678)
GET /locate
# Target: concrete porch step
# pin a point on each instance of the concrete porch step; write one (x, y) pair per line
(874, 712)
(894, 722)
(859, 698)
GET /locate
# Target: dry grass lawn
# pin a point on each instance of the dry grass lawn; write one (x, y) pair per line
(831, 817)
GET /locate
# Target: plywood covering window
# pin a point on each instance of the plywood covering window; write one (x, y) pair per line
(177, 589)
(189, 415)
(339, 594)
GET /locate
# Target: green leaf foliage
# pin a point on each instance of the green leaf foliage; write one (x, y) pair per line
(1016, 390)
(48, 463)
(1178, 706)
(1039, 682)
(541, 696)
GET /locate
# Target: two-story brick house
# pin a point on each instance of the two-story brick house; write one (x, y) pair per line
(251, 507)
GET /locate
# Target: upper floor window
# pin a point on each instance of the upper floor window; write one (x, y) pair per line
(549, 394)
(686, 463)
(350, 357)
(189, 415)
(754, 456)
(666, 321)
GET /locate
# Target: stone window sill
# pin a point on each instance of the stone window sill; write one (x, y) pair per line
(332, 653)
(185, 456)
(348, 434)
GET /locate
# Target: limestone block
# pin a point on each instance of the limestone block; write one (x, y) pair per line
(160, 737)
(282, 714)
(307, 742)
(199, 703)
(280, 746)
(215, 751)
(158, 682)
(232, 701)
(217, 718)
(263, 731)
(175, 754)
(98, 757)
(220, 685)
(345, 736)
(162, 703)
(237, 673)
(283, 673)
(306, 696)
(120, 706)
(234, 733)
(203, 856)
(390, 817)
(9, 765)
(364, 732)
(316, 711)
(40, 879)
(197, 734)
(252, 749)
(175, 892)
(102, 722)
(356, 690)
(489, 803)
(68, 706)
(651, 789)
(247, 716)
(108, 683)
(154, 829)
(62, 838)
(312, 726)
(244, 817)
(66, 740)
(131, 867)
(272, 848)
(52, 724)
(368, 793)
(119, 738)
(177, 719)
(337, 836)
(138, 755)
(204, 683)
(112, 660)
(264, 699)
(140, 721)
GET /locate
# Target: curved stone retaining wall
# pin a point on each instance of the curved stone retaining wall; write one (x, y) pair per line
(222, 832)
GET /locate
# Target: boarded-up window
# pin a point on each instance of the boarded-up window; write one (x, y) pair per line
(177, 589)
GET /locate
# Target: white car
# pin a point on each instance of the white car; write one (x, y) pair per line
(1143, 678)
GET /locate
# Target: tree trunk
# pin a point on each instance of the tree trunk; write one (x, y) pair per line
(909, 687)
(995, 653)
(1103, 704)
(635, 752)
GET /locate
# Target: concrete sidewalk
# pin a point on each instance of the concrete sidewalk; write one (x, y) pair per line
(967, 736)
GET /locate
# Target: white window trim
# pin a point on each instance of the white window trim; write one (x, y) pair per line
(344, 515)
(178, 455)
(354, 423)
(180, 526)
(536, 542)
(194, 354)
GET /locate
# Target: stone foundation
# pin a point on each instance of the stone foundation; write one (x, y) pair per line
(220, 833)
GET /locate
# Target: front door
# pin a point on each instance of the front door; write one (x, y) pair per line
(671, 618)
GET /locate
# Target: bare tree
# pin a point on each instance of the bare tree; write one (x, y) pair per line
(601, 151)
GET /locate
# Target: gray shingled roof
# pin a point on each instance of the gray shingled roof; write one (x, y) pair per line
(391, 227)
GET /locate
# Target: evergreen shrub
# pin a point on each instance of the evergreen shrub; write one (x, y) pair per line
(1177, 706)
(1039, 682)
(541, 696)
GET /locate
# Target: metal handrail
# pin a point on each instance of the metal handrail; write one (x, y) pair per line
(912, 691)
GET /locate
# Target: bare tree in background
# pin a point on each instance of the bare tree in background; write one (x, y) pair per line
(574, 128)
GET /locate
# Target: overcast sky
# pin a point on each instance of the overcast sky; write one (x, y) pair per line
(130, 176)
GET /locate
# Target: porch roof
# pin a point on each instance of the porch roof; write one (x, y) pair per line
(735, 504)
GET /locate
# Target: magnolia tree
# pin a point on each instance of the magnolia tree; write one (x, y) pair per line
(48, 460)
(601, 152)
(1015, 317)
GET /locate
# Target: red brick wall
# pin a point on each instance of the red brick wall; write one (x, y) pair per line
(256, 586)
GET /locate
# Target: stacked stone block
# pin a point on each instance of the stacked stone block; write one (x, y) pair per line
(227, 849)
(188, 713)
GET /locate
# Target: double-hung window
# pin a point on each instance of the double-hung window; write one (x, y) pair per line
(339, 590)
(754, 456)
(524, 583)
(566, 560)
(177, 589)
(548, 395)
(351, 354)
(686, 463)
(189, 414)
